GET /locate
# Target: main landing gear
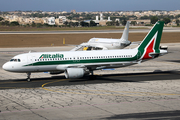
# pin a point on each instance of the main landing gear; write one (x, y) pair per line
(92, 76)
(28, 76)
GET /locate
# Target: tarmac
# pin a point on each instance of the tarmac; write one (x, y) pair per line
(149, 90)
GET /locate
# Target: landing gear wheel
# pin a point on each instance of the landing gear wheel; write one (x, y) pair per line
(28, 76)
(28, 79)
(92, 73)
(92, 77)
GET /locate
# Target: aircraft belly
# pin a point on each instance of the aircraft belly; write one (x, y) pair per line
(39, 68)
(46, 68)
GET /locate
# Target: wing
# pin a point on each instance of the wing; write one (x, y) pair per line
(97, 66)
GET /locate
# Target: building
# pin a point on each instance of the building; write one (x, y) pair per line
(142, 22)
(51, 21)
(73, 11)
(62, 18)
(102, 22)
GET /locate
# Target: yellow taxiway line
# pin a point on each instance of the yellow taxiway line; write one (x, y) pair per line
(122, 93)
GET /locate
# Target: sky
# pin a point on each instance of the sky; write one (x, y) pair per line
(89, 5)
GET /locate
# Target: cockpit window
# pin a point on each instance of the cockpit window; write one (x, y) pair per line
(15, 60)
(12, 60)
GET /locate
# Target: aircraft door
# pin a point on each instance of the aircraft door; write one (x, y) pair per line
(30, 60)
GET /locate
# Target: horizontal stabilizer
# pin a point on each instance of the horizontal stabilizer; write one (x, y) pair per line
(154, 55)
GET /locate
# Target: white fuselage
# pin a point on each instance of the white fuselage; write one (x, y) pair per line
(109, 43)
(59, 61)
(104, 44)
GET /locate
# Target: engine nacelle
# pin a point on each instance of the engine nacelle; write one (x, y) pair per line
(74, 73)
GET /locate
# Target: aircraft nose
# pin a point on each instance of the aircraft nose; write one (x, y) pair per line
(6, 67)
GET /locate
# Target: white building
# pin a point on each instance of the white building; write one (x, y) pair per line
(62, 18)
(51, 21)
(109, 19)
(101, 21)
(101, 17)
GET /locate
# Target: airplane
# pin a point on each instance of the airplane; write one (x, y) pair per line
(76, 64)
(106, 43)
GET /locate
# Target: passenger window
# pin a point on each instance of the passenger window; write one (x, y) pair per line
(19, 60)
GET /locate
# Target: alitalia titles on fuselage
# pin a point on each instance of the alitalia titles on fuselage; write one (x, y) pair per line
(51, 56)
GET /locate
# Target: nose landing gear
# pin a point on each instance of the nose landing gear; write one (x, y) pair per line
(28, 76)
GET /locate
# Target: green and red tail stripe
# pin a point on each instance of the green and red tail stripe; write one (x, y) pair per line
(151, 42)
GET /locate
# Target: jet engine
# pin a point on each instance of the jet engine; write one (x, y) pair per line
(74, 73)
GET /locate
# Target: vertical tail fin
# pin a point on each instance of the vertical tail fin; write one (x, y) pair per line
(151, 42)
(126, 31)
(124, 39)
